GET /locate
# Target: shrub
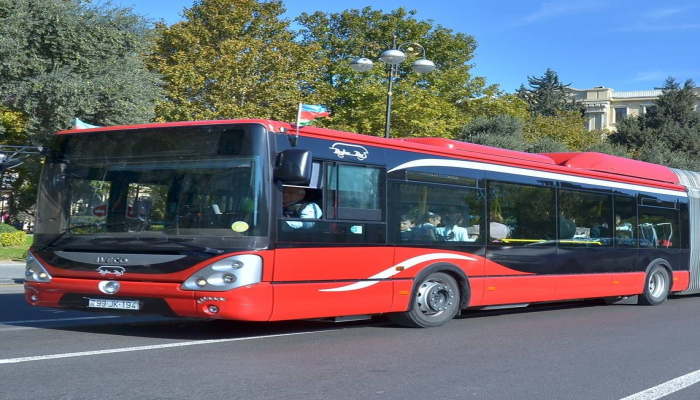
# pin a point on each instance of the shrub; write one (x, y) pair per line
(6, 228)
(17, 238)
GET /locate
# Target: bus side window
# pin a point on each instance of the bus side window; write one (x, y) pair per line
(357, 192)
(589, 216)
(528, 213)
(435, 214)
(625, 222)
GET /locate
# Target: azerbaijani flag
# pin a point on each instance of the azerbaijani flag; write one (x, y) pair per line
(309, 112)
(79, 124)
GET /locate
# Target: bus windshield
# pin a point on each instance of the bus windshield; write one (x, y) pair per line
(197, 186)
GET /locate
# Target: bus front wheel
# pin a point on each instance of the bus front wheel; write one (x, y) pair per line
(435, 302)
(656, 286)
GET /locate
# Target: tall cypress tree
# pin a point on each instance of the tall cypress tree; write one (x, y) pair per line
(547, 95)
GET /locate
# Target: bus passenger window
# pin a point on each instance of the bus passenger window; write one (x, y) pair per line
(658, 228)
(625, 230)
(585, 219)
(436, 214)
(521, 215)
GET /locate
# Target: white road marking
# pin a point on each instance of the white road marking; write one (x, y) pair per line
(667, 388)
(142, 348)
(34, 321)
(18, 328)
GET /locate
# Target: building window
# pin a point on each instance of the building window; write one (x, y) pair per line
(595, 122)
(620, 113)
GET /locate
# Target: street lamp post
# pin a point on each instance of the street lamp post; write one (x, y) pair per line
(392, 57)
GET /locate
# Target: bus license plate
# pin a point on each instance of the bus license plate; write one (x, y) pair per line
(114, 304)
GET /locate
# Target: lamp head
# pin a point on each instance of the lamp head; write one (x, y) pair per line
(361, 64)
(423, 66)
(392, 56)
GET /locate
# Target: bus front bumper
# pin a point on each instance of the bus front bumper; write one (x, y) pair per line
(247, 303)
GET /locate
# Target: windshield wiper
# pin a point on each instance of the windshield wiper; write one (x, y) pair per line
(178, 241)
(53, 241)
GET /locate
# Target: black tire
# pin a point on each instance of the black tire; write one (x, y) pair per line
(435, 301)
(657, 285)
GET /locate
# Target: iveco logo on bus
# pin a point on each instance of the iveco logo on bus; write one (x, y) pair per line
(351, 150)
(112, 260)
(106, 270)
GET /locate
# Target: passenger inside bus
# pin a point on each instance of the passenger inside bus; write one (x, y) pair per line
(497, 229)
(567, 227)
(427, 227)
(295, 205)
(406, 226)
(452, 231)
(622, 229)
(601, 230)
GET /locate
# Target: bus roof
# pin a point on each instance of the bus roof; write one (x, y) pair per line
(271, 125)
(587, 163)
(614, 165)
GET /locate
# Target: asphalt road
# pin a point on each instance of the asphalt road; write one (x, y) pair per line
(583, 350)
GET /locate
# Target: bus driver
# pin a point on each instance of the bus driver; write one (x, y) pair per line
(294, 206)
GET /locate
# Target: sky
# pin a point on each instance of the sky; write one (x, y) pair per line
(624, 45)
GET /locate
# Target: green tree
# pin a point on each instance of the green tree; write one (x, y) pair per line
(494, 104)
(567, 128)
(65, 59)
(547, 95)
(232, 59)
(669, 133)
(502, 131)
(432, 104)
(12, 126)
(537, 134)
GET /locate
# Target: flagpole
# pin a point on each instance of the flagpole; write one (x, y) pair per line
(298, 116)
(293, 139)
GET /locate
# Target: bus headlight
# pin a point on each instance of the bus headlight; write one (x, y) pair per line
(35, 272)
(226, 274)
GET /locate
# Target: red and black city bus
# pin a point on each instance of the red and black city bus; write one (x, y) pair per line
(185, 219)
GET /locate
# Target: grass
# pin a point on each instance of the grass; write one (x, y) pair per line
(16, 253)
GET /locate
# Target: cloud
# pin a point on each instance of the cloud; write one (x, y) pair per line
(649, 27)
(667, 12)
(662, 20)
(647, 76)
(558, 8)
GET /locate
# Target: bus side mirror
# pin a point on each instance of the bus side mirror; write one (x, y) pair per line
(293, 167)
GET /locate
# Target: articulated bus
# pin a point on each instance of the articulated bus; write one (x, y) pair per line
(185, 219)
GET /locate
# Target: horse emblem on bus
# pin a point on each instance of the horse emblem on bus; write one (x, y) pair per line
(106, 270)
(351, 150)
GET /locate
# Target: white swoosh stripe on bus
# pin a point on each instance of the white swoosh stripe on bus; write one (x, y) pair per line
(432, 162)
(391, 271)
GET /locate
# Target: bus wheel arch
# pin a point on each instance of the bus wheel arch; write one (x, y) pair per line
(439, 292)
(657, 283)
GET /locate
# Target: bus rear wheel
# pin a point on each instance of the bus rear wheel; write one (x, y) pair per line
(435, 302)
(656, 286)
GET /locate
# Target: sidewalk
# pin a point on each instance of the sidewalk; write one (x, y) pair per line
(11, 273)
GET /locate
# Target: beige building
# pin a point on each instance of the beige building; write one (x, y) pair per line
(605, 107)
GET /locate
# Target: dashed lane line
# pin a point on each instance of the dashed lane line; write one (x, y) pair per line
(34, 321)
(151, 347)
(667, 388)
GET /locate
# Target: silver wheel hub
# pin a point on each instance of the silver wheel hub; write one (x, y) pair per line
(657, 284)
(434, 298)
